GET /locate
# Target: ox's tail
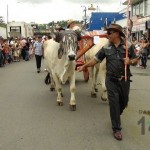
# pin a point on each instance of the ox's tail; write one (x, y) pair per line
(47, 79)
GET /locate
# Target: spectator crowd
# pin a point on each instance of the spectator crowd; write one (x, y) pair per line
(16, 49)
(142, 50)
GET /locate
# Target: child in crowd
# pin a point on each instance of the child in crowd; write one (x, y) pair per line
(17, 51)
(138, 53)
(144, 48)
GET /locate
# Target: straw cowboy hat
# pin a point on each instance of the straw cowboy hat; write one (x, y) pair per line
(116, 27)
(69, 22)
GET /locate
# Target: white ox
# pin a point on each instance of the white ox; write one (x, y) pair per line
(60, 61)
(98, 69)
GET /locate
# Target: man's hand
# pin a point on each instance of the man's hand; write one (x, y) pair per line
(127, 61)
(80, 68)
(90, 63)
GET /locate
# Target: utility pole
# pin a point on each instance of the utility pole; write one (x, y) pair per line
(7, 21)
(7, 13)
(85, 17)
(91, 8)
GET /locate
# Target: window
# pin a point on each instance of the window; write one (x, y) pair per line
(15, 29)
(146, 8)
(141, 9)
(137, 9)
(133, 11)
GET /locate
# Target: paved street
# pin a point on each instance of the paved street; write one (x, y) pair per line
(30, 119)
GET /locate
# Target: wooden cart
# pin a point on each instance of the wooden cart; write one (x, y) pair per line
(85, 44)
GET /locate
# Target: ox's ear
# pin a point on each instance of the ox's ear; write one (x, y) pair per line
(60, 51)
(78, 33)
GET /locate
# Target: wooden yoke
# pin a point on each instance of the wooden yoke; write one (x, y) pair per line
(85, 44)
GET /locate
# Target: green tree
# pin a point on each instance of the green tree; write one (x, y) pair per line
(51, 23)
(62, 23)
(1, 20)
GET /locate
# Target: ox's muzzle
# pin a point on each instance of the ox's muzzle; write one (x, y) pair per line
(71, 57)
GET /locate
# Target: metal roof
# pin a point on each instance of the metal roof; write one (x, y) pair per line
(98, 19)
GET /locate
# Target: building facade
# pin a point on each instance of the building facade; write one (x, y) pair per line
(3, 31)
(140, 15)
(20, 29)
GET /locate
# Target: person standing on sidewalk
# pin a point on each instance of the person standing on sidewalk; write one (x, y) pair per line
(117, 88)
(1, 52)
(144, 50)
(38, 51)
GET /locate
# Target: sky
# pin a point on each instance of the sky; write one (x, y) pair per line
(45, 11)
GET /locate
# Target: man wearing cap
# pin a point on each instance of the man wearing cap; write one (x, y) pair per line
(59, 28)
(117, 87)
(71, 25)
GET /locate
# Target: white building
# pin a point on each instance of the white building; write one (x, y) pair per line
(3, 32)
(123, 22)
(20, 29)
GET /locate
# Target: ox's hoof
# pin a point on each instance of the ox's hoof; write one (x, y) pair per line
(73, 107)
(93, 95)
(103, 99)
(52, 89)
(62, 95)
(60, 103)
(96, 90)
(47, 82)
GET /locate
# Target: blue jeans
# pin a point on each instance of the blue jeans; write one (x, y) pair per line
(38, 61)
(27, 55)
(2, 60)
(144, 59)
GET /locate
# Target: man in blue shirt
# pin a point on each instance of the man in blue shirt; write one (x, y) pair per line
(38, 51)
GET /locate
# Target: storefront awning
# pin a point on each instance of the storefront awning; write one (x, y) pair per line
(139, 27)
(131, 2)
